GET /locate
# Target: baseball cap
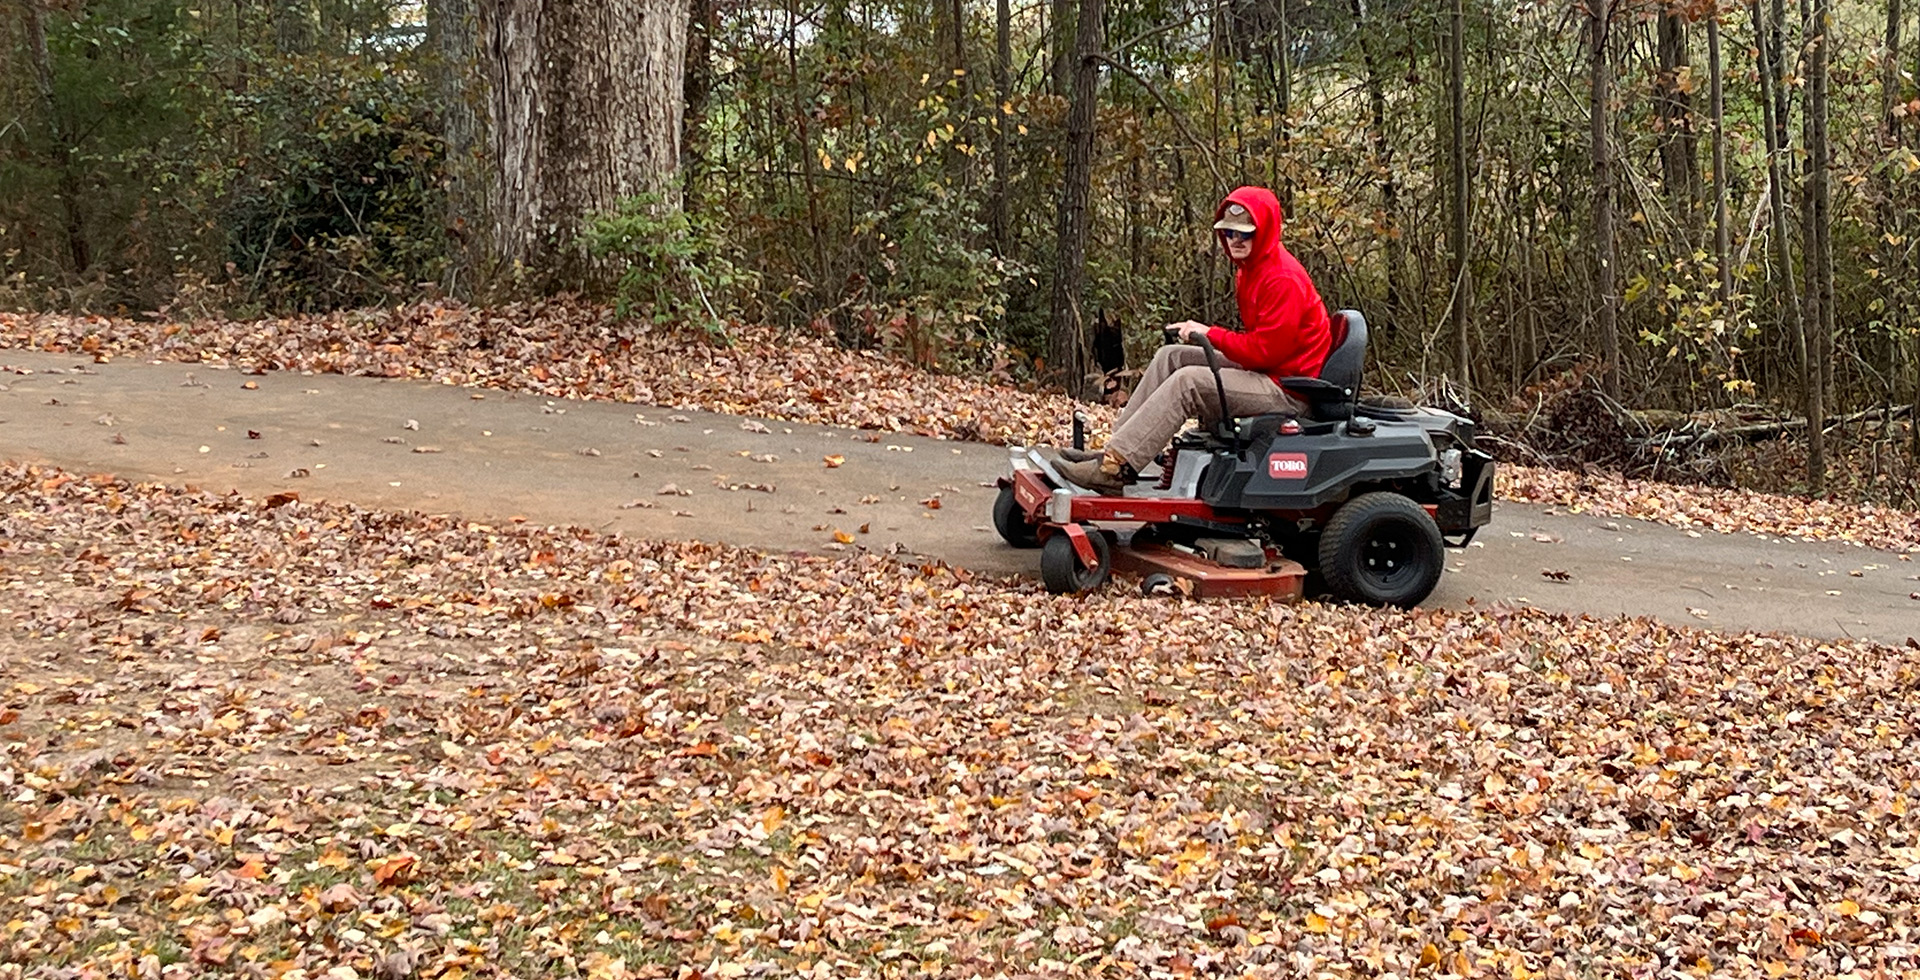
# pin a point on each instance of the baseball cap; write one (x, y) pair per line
(1235, 218)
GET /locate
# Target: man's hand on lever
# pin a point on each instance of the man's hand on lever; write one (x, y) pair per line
(1186, 329)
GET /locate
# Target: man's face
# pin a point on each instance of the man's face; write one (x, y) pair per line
(1239, 245)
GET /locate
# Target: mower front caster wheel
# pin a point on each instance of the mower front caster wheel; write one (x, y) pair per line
(1062, 571)
(1012, 523)
(1381, 549)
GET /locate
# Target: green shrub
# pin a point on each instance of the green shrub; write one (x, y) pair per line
(669, 267)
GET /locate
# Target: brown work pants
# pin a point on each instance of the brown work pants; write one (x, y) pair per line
(1178, 386)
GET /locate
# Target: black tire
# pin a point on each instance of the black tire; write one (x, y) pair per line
(1011, 523)
(1061, 570)
(1381, 549)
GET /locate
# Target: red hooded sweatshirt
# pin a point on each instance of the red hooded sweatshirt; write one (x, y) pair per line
(1285, 322)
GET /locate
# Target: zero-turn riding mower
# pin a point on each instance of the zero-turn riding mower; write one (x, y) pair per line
(1362, 497)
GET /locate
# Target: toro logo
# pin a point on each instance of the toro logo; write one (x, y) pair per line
(1287, 466)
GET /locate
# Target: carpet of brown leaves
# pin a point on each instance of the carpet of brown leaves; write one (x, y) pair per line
(280, 739)
(564, 350)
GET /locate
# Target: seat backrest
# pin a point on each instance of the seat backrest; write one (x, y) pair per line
(1348, 354)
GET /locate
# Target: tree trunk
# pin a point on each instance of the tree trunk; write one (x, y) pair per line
(1722, 235)
(1678, 144)
(1461, 203)
(1061, 71)
(1890, 81)
(1067, 337)
(586, 103)
(1766, 41)
(1002, 92)
(959, 38)
(60, 151)
(296, 25)
(1383, 164)
(1820, 244)
(1282, 69)
(1606, 305)
(453, 41)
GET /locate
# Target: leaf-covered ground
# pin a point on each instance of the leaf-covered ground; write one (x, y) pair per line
(274, 738)
(573, 351)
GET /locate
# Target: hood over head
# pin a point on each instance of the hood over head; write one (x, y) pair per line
(1264, 208)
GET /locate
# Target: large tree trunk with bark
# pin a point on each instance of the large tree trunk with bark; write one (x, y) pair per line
(1600, 92)
(586, 111)
(1066, 340)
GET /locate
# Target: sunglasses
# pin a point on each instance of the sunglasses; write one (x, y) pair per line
(1236, 236)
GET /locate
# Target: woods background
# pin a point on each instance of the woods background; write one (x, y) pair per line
(1676, 239)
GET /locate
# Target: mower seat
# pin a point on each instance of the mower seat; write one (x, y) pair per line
(1331, 396)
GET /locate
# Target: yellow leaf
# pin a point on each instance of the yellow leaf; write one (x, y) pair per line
(1316, 922)
(1847, 906)
(1429, 955)
(771, 820)
(780, 880)
(842, 536)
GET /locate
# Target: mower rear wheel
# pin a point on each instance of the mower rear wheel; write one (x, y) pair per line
(1011, 523)
(1381, 549)
(1062, 571)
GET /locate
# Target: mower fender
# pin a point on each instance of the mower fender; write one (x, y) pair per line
(1077, 533)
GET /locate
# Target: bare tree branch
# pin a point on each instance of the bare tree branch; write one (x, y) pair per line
(1179, 121)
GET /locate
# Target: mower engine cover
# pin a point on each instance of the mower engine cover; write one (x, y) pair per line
(1305, 465)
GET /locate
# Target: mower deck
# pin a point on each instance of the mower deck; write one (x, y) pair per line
(1199, 578)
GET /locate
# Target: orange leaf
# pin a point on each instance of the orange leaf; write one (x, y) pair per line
(396, 870)
(833, 462)
(842, 536)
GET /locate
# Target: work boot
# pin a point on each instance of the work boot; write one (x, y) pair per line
(1073, 455)
(1108, 476)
